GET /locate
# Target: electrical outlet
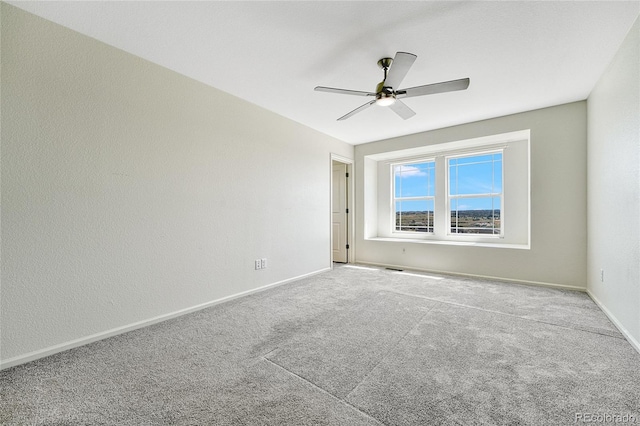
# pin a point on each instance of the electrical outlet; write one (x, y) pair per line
(263, 263)
(258, 264)
(602, 275)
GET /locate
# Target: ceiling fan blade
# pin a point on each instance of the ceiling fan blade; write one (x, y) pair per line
(342, 91)
(402, 109)
(430, 89)
(357, 110)
(399, 68)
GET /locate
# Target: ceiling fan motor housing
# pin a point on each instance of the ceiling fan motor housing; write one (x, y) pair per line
(384, 94)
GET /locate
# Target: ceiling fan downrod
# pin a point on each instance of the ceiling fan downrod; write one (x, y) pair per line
(384, 94)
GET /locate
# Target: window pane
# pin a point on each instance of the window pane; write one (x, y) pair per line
(497, 176)
(478, 174)
(475, 215)
(414, 215)
(483, 158)
(414, 180)
(475, 175)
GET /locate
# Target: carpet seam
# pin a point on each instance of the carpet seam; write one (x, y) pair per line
(620, 337)
(385, 355)
(324, 391)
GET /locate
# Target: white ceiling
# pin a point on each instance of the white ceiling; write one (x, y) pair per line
(519, 55)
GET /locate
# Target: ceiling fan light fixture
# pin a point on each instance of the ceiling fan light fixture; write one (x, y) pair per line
(385, 101)
(385, 97)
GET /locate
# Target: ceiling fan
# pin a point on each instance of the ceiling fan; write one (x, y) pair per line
(386, 93)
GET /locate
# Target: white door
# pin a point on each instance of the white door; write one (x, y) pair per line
(339, 214)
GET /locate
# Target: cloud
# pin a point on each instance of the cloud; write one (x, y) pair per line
(409, 171)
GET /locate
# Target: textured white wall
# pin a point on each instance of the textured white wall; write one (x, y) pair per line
(614, 187)
(130, 192)
(558, 203)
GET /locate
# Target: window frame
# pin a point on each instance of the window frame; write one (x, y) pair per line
(394, 199)
(449, 197)
(376, 177)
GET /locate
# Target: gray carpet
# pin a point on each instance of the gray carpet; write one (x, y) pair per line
(351, 346)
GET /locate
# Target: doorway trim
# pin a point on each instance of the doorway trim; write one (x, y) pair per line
(350, 205)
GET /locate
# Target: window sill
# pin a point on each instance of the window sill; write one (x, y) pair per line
(452, 243)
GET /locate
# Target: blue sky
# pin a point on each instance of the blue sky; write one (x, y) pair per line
(471, 175)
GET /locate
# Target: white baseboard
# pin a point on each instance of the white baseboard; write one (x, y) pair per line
(515, 281)
(614, 320)
(41, 353)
